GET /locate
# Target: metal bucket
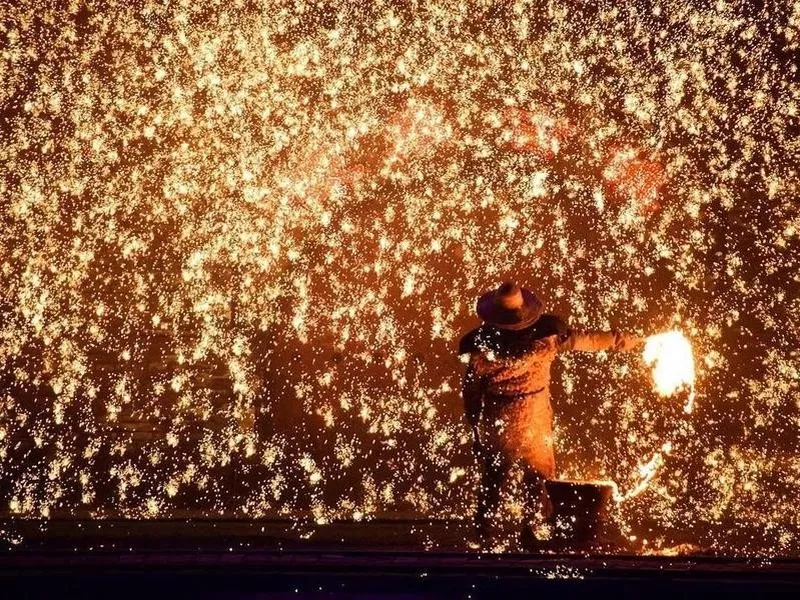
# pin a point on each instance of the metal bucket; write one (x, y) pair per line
(579, 507)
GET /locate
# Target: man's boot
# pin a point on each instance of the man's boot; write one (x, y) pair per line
(482, 531)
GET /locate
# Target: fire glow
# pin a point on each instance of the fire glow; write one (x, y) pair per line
(672, 361)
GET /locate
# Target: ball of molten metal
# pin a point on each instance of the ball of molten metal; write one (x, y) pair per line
(670, 357)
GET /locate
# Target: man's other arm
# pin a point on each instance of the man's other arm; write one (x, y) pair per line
(597, 341)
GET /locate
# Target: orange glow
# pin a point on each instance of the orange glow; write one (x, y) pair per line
(635, 179)
(536, 131)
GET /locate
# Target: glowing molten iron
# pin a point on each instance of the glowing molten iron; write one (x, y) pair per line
(670, 356)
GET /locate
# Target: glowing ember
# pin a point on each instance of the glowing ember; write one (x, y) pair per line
(670, 356)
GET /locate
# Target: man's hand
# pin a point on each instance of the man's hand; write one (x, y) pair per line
(628, 341)
(636, 342)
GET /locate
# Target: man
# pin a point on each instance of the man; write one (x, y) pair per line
(506, 392)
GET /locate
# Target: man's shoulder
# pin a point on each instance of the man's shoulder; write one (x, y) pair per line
(486, 337)
(548, 325)
(471, 342)
(481, 339)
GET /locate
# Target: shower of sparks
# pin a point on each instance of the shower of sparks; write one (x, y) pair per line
(240, 240)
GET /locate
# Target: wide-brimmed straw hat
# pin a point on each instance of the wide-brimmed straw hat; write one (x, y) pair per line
(510, 307)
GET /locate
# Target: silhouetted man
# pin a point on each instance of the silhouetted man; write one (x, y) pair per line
(506, 391)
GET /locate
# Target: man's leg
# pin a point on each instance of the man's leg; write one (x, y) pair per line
(539, 464)
(495, 470)
(536, 498)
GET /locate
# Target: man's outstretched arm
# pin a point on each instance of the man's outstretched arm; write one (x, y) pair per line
(597, 341)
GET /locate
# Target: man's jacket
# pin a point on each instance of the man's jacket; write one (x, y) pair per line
(506, 387)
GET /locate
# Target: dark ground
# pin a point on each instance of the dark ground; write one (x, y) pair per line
(387, 559)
